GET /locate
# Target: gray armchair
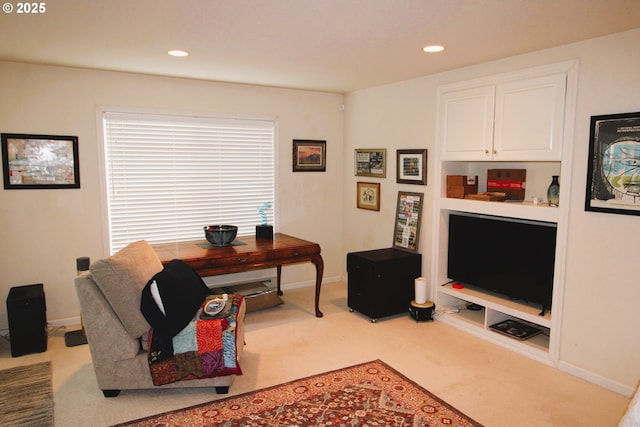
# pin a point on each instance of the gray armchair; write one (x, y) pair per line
(109, 295)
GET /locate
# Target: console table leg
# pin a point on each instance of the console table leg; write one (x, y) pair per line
(278, 275)
(319, 263)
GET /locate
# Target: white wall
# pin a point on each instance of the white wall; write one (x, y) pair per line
(393, 117)
(44, 231)
(599, 339)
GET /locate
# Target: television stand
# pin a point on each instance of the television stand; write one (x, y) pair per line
(497, 308)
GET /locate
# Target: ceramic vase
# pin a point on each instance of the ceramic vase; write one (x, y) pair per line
(553, 192)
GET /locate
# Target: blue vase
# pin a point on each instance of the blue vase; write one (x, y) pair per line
(553, 192)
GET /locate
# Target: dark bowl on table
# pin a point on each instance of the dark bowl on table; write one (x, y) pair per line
(220, 235)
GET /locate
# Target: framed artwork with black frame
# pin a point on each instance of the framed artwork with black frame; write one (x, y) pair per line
(368, 196)
(406, 231)
(40, 161)
(411, 166)
(370, 162)
(613, 177)
(309, 155)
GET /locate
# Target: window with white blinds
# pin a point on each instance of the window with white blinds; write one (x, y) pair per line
(170, 176)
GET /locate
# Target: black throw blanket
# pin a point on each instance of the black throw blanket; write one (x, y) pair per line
(182, 291)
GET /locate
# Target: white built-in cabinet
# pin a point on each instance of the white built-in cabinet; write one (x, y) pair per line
(514, 120)
(466, 120)
(517, 120)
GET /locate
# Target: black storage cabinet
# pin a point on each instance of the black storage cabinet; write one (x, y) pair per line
(27, 315)
(381, 281)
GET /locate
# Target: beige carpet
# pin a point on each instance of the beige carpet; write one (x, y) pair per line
(26, 397)
(494, 386)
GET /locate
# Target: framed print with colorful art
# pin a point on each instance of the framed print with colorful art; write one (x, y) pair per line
(40, 161)
(406, 232)
(309, 155)
(411, 166)
(613, 177)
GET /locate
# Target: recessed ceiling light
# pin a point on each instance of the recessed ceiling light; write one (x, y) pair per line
(433, 48)
(178, 53)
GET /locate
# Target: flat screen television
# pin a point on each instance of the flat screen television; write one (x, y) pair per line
(509, 256)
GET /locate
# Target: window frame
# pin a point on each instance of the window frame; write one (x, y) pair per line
(178, 115)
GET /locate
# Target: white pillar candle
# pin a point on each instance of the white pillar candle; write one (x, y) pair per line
(421, 290)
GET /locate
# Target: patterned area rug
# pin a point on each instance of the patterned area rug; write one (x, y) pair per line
(26, 396)
(370, 394)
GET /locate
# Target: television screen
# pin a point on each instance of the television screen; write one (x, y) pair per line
(512, 257)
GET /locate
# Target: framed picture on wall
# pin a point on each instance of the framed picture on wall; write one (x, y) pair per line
(411, 166)
(368, 195)
(309, 155)
(370, 162)
(39, 161)
(613, 177)
(406, 231)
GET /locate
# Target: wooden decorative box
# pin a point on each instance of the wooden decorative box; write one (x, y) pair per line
(458, 186)
(509, 181)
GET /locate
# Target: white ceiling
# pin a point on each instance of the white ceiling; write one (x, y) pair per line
(326, 45)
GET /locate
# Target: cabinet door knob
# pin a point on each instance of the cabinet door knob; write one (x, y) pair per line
(495, 151)
(486, 151)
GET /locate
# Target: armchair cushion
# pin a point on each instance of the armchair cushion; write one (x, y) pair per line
(121, 278)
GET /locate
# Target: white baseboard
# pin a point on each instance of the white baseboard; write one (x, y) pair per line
(305, 283)
(607, 383)
(69, 321)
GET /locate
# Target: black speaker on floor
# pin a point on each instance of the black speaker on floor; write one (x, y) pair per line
(27, 313)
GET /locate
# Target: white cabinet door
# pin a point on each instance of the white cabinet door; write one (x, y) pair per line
(529, 119)
(466, 123)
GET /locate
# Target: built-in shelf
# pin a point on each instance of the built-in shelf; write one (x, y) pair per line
(501, 303)
(536, 347)
(524, 210)
(495, 308)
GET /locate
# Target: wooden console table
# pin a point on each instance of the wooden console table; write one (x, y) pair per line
(246, 253)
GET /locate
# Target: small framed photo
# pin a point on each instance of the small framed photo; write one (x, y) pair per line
(40, 161)
(613, 181)
(370, 162)
(411, 166)
(309, 155)
(407, 222)
(368, 196)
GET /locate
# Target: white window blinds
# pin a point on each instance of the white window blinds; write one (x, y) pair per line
(169, 176)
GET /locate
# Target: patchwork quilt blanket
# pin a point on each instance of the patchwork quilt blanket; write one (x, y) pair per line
(205, 348)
